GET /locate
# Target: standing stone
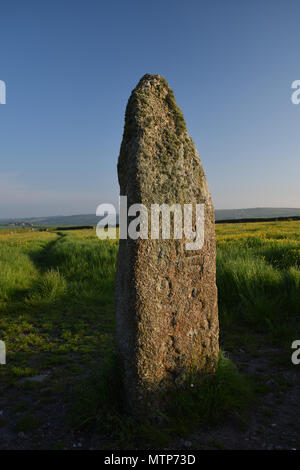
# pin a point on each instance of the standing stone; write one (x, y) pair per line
(166, 296)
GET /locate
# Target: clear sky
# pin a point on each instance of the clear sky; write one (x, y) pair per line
(70, 66)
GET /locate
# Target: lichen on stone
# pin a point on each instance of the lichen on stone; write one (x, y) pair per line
(163, 292)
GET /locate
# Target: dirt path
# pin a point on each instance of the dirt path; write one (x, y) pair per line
(273, 423)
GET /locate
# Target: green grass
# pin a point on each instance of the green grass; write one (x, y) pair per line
(55, 299)
(57, 317)
(258, 279)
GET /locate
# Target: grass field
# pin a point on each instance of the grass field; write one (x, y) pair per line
(57, 319)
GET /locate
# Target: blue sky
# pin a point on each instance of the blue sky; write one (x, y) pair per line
(70, 66)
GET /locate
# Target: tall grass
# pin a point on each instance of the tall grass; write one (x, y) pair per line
(56, 292)
(258, 277)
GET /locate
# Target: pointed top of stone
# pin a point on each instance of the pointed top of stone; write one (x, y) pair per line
(157, 151)
(154, 90)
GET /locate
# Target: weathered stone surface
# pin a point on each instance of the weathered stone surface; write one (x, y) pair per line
(166, 296)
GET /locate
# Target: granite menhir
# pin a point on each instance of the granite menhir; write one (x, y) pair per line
(165, 295)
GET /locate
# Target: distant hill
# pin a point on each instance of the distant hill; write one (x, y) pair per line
(256, 213)
(91, 219)
(60, 220)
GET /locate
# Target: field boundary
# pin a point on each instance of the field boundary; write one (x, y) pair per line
(260, 219)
